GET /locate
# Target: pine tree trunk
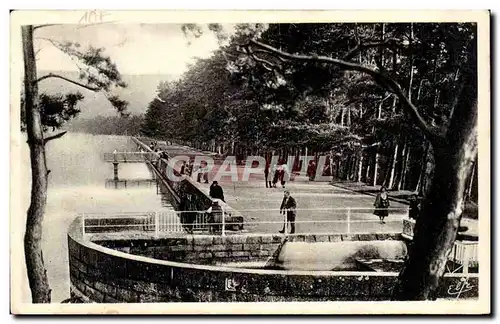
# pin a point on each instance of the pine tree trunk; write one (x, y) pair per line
(387, 168)
(368, 168)
(352, 168)
(360, 168)
(393, 166)
(471, 180)
(429, 169)
(375, 169)
(37, 274)
(419, 187)
(404, 169)
(398, 173)
(437, 226)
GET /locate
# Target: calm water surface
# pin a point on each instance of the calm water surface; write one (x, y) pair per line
(77, 183)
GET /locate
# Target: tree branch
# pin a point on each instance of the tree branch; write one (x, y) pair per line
(389, 43)
(52, 75)
(53, 137)
(265, 63)
(379, 77)
(59, 46)
(268, 53)
(56, 44)
(46, 25)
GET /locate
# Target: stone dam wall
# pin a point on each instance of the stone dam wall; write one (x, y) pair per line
(186, 269)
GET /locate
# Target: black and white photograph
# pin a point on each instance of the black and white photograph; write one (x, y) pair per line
(277, 161)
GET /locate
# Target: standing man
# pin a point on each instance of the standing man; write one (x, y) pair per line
(266, 174)
(276, 174)
(216, 191)
(288, 207)
(284, 174)
(190, 168)
(183, 168)
(415, 206)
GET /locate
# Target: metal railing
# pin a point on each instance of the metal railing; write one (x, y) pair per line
(152, 222)
(465, 254)
(157, 223)
(130, 157)
(311, 220)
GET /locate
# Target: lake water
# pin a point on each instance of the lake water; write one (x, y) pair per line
(80, 181)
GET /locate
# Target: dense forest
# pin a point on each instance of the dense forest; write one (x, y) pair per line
(243, 101)
(107, 125)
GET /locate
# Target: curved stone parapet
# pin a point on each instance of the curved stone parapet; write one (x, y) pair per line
(108, 275)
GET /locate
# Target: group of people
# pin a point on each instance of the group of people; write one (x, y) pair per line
(288, 208)
(213, 214)
(187, 168)
(202, 170)
(153, 145)
(382, 205)
(155, 148)
(279, 173)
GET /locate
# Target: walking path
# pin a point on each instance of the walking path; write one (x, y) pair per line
(400, 196)
(469, 217)
(320, 205)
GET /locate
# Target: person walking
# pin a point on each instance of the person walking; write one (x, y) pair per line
(187, 217)
(198, 173)
(382, 204)
(288, 207)
(284, 174)
(183, 168)
(202, 173)
(216, 191)
(189, 168)
(266, 175)
(311, 170)
(276, 174)
(415, 206)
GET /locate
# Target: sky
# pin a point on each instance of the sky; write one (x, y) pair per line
(135, 48)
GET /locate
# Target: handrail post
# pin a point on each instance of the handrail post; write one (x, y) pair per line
(348, 220)
(83, 225)
(157, 224)
(223, 221)
(285, 225)
(465, 267)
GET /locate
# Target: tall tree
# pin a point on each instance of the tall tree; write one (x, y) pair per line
(454, 143)
(100, 74)
(438, 59)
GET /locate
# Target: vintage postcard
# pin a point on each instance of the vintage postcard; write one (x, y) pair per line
(250, 162)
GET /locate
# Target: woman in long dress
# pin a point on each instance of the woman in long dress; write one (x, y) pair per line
(381, 205)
